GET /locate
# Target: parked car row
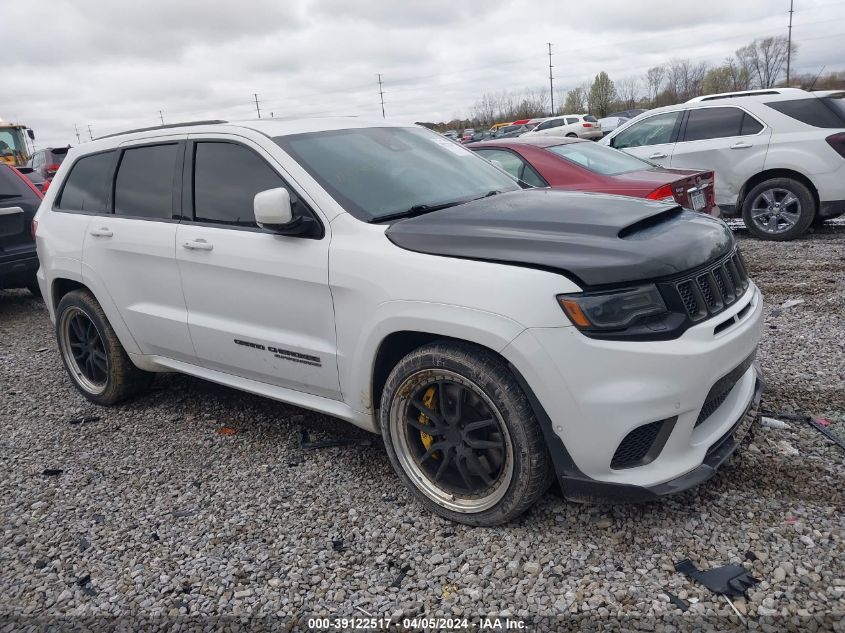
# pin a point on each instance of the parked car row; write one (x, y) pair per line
(777, 154)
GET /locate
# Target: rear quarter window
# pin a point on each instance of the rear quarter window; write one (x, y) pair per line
(86, 187)
(812, 111)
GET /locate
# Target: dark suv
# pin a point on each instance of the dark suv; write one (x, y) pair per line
(19, 200)
(46, 161)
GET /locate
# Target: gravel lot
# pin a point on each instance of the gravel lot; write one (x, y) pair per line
(157, 515)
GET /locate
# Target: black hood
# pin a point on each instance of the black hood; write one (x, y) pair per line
(598, 239)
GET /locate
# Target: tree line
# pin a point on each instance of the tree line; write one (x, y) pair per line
(760, 64)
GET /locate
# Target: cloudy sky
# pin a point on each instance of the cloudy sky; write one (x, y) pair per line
(113, 64)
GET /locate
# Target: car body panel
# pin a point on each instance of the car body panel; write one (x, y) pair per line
(560, 173)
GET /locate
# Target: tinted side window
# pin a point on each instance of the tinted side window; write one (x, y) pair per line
(226, 179)
(707, 123)
(654, 130)
(12, 186)
(571, 120)
(812, 111)
(750, 125)
(514, 165)
(86, 188)
(144, 184)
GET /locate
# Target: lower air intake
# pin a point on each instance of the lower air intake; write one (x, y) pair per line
(643, 444)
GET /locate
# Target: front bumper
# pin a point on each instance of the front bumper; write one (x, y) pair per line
(591, 395)
(587, 490)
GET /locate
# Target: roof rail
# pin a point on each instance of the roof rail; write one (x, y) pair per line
(745, 93)
(163, 127)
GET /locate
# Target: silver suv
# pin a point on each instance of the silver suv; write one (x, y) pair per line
(779, 154)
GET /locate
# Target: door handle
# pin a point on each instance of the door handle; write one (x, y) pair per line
(103, 231)
(658, 155)
(741, 145)
(198, 245)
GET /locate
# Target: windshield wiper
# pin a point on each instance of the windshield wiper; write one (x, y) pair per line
(417, 209)
(420, 209)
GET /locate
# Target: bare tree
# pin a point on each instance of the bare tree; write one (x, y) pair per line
(486, 109)
(602, 95)
(654, 79)
(576, 101)
(740, 73)
(765, 58)
(718, 79)
(627, 89)
(684, 79)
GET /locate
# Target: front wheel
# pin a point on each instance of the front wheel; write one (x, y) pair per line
(779, 209)
(92, 354)
(462, 436)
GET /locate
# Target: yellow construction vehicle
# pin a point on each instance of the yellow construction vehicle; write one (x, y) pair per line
(15, 143)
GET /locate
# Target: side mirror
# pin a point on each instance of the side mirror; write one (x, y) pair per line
(272, 208)
(274, 212)
(30, 134)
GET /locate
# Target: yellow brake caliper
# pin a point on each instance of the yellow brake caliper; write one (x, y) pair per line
(427, 400)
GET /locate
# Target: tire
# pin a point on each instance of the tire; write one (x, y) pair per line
(92, 355)
(508, 444)
(778, 209)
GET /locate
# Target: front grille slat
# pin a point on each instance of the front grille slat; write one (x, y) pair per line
(710, 291)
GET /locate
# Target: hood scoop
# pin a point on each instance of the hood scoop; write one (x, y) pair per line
(595, 238)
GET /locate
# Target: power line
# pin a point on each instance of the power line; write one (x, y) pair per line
(381, 95)
(76, 129)
(257, 109)
(90, 134)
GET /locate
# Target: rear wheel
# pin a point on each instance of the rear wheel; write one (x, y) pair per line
(572, 135)
(462, 436)
(92, 354)
(779, 209)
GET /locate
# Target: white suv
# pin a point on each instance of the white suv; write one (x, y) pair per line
(571, 125)
(495, 337)
(779, 154)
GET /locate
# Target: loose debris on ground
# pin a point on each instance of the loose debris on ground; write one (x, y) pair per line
(178, 521)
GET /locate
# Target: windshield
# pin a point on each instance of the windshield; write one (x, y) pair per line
(11, 142)
(600, 159)
(379, 171)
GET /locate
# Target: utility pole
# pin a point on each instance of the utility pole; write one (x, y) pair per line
(551, 82)
(789, 43)
(76, 128)
(90, 134)
(257, 109)
(381, 95)
(161, 116)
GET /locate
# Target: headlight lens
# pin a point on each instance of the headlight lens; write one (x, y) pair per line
(612, 310)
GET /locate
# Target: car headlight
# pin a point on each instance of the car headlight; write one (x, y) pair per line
(612, 309)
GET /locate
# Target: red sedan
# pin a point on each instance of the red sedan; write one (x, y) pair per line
(581, 165)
